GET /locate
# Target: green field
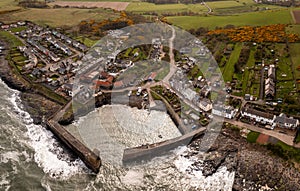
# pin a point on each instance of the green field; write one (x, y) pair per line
(253, 19)
(228, 69)
(252, 136)
(13, 41)
(143, 7)
(295, 56)
(62, 17)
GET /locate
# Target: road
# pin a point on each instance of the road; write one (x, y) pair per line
(288, 139)
(209, 9)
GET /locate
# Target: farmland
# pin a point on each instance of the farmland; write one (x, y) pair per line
(252, 19)
(146, 8)
(112, 5)
(71, 16)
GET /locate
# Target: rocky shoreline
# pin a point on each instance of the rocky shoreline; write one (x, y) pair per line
(36, 105)
(255, 167)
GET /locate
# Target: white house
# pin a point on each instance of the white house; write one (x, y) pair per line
(258, 116)
(224, 111)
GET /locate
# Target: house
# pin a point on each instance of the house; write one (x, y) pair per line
(258, 116)
(205, 105)
(271, 72)
(224, 111)
(99, 84)
(269, 88)
(118, 84)
(286, 122)
(152, 76)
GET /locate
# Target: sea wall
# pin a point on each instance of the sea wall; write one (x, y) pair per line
(91, 159)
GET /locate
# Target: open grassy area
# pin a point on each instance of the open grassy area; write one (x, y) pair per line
(246, 75)
(8, 5)
(295, 56)
(228, 70)
(254, 19)
(61, 17)
(100, 0)
(252, 136)
(13, 41)
(144, 7)
(87, 41)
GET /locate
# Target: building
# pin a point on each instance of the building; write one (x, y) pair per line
(270, 83)
(224, 111)
(286, 122)
(258, 116)
(205, 105)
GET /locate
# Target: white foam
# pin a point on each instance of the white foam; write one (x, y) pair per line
(221, 180)
(11, 155)
(48, 154)
(133, 177)
(4, 182)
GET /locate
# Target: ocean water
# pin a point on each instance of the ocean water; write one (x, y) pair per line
(32, 159)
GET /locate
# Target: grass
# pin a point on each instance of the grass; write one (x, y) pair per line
(143, 7)
(18, 29)
(228, 70)
(295, 57)
(8, 6)
(293, 29)
(254, 19)
(98, 0)
(13, 41)
(86, 41)
(250, 64)
(284, 68)
(252, 136)
(62, 16)
(285, 151)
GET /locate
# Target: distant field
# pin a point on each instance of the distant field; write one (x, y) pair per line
(61, 17)
(8, 5)
(143, 7)
(98, 0)
(113, 5)
(253, 19)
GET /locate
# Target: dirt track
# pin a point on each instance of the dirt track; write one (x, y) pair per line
(113, 5)
(296, 15)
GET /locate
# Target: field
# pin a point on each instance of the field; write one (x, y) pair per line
(219, 7)
(97, 0)
(145, 8)
(8, 5)
(13, 41)
(228, 70)
(61, 17)
(112, 5)
(296, 16)
(295, 56)
(252, 136)
(253, 19)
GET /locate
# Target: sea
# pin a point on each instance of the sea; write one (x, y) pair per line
(31, 158)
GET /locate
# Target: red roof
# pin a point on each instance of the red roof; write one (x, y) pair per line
(152, 75)
(118, 84)
(100, 83)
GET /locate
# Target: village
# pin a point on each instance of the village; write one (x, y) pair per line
(56, 61)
